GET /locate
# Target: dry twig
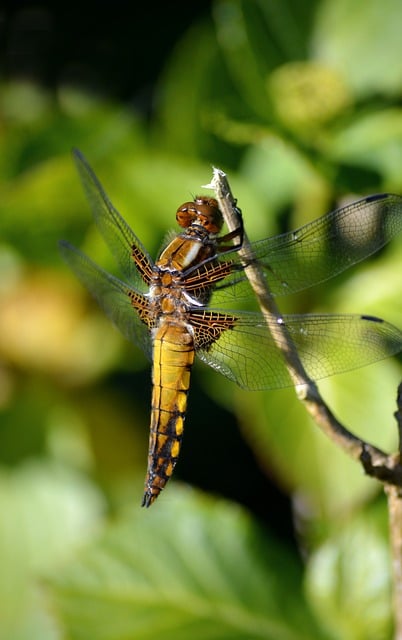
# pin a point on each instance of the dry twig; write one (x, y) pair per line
(375, 462)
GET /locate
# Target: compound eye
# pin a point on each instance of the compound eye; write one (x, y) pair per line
(186, 214)
(209, 214)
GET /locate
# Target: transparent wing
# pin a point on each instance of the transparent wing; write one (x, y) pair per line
(321, 249)
(116, 232)
(120, 302)
(326, 345)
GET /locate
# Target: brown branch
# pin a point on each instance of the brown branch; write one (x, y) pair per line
(395, 529)
(373, 459)
(394, 496)
(398, 417)
(376, 463)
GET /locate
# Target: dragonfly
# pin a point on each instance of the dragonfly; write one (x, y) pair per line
(181, 305)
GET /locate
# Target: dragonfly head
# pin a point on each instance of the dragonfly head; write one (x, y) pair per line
(202, 211)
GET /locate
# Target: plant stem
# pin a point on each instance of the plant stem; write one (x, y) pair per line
(394, 496)
(375, 462)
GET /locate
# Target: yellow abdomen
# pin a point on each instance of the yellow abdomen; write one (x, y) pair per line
(173, 357)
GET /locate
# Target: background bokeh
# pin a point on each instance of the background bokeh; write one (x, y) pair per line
(266, 530)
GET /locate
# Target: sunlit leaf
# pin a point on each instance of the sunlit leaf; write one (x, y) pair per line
(256, 36)
(348, 580)
(47, 512)
(367, 30)
(189, 567)
(372, 140)
(283, 177)
(180, 102)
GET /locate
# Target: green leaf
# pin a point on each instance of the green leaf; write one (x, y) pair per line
(348, 580)
(373, 140)
(362, 40)
(189, 567)
(255, 36)
(184, 91)
(46, 512)
(282, 176)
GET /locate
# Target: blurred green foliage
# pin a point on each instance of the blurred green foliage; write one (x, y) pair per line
(300, 103)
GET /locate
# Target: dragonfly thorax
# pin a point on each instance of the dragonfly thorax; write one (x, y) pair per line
(167, 298)
(192, 247)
